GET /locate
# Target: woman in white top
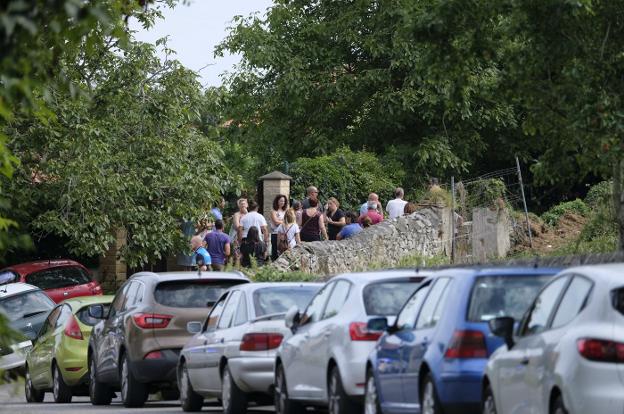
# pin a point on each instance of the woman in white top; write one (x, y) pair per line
(236, 219)
(290, 229)
(280, 205)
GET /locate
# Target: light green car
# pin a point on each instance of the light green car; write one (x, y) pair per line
(57, 361)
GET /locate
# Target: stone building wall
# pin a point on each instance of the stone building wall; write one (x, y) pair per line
(385, 244)
(113, 271)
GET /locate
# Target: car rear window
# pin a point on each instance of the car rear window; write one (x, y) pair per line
(191, 293)
(59, 277)
(494, 296)
(25, 305)
(387, 298)
(279, 299)
(84, 317)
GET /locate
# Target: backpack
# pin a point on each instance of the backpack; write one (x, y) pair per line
(283, 243)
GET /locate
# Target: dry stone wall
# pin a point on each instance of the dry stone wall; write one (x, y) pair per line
(385, 243)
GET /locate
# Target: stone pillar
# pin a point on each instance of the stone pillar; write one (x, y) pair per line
(113, 270)
(273, 184)
(491, 232)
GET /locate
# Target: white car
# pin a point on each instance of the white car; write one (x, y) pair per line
(567, 354)
(25, 307)
(324, 362)
(232, 355)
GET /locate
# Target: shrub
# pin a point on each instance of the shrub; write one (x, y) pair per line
(600, 195)
(577, 206)
(270, 274)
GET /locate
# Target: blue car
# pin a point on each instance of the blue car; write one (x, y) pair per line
(431, 359)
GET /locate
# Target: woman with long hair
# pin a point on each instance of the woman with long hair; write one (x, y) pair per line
(290, 229)
(253, 247)
(280, 205)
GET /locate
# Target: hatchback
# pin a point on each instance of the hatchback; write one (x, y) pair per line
(432, 358)
(58, 358)
(136, 348)
(60, 279)
(323, 362)
(233, 356)
(568, 352)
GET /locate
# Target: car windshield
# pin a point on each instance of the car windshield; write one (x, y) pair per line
(387, 298)
(25, 305)
(59, 277)
(191, 293)
(271, 300)
(494, 296)
(84, 317)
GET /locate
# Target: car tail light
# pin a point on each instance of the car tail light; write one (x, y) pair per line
(154, 355)
(467, 344)
(261, 341)
(72, 329)
(600, 350)
(359, 332)
(151, 320)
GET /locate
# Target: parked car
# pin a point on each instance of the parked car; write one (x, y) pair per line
(136, 348)
(60, 279)
(323, 362)
(26, 308)
(432, 358)
(233, 355)
(567, 354)
(57, 361)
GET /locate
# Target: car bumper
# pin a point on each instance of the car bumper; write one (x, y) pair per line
(353, 368)
(253, 374)
(13, 361)
(593, 387)
(161, 370)
(72, 360)
(459, 384)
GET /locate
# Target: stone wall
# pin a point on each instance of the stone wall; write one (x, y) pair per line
(385, 244)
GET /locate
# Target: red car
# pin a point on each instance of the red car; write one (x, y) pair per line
(60, 279)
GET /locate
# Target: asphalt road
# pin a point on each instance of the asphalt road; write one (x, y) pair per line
(12, 401)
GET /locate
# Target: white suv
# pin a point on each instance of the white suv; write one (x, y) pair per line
(324, 362)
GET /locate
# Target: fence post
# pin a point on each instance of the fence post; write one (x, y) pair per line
(526, 211)
(453, 219)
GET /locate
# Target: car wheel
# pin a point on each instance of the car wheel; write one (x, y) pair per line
(284, 405)
(429, 403)
(62, 393)
(133, 392)
(339, 401)
(489, 405)
(33, 395)
(190, 400)
(99, 393)
(234, 400)
(371, 399)
(559, 407)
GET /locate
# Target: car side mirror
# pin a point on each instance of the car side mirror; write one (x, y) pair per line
(377, 324)
(193, 327)
(292, 318)
(96, 311)
(503, 327)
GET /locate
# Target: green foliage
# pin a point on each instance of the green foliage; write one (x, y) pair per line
(485, 193)
(600, 195)
(269, 274)
(577, 206)
(349, 176)
(422, 262)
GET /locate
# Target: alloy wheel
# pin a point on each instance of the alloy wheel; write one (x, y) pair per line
(226, 389)
(334, 397)
(183, 383)
(488, 406)
(280, 392)
(370, 399)
(55, 383)
(91, 377)
(28, 386)
(124, 380)
(428, 399)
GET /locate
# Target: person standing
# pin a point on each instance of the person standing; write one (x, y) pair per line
(218, 245)
(253, 219)
(290, 229)
(217, 212)
(298, 212)
(312, 192)
(199, 250)
(253, 248)
(372, 214)
(396, 207)
(236, 219)
(335, 218)
(351, 228)
(313, 223)
(280, 205)
(372, 198)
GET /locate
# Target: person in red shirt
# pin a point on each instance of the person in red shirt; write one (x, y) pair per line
(372, 214)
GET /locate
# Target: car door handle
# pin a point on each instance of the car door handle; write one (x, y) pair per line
(222, 340)
(525, 361)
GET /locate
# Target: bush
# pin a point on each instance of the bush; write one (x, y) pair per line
(600, 195)
(577, 206)
(485, 193)
(270, 274)
(349, 176)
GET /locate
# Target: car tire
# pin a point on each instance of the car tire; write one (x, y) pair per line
(371, 396)
(189, 399)
(234, 400)
(99, 393)
(429, 402)
(133, 393)
(33, 395)
(559, 406)
(339, 401)
(489, 404)
(283, 404)
(61, 391)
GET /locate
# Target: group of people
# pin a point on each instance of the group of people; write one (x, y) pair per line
(252, 240)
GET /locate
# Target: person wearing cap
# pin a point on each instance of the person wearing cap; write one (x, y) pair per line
(372, 214)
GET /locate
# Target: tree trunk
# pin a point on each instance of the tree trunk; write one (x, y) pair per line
(618, 198)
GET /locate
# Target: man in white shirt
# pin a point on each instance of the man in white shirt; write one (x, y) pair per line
(372, 198)
(251, 219)
(395, 207)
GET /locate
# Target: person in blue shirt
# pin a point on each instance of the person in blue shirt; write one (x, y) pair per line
(197, 244)
(351, 229)
(217, 212)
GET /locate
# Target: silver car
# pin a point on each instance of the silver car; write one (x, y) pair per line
(324, 362)
(568, 352)
(232, 354)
